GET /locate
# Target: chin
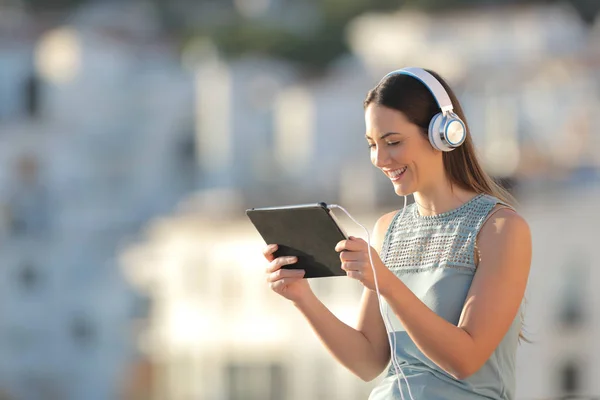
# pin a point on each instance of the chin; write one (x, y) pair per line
(400, 191)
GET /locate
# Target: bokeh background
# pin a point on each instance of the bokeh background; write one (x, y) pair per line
(134, 134)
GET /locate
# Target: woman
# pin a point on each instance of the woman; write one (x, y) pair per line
(451, 270)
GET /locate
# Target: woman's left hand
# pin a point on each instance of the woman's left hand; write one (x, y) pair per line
(354, 254)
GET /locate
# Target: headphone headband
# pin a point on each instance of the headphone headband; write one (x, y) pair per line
(435, 87)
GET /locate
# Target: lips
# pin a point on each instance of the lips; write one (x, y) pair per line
(396, 174)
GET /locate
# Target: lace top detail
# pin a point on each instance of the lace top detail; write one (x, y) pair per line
(418, 243)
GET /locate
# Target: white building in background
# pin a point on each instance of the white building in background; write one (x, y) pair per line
(96, 137)
(274, 138)
(112, 132)
(512, 68)
(562, 318)
(456, 43)
(234, 118)
(217, 331)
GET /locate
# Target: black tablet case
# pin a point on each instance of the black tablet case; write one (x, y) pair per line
(307, 232)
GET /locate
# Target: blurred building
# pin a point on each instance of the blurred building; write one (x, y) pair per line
(96, 137)
(512, 68)
(217, 331)
(561, 318)
(272, 138)
(105, 129)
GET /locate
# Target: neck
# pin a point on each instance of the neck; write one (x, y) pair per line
(441, 198)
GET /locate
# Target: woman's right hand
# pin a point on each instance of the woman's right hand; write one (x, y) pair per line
(288, 283)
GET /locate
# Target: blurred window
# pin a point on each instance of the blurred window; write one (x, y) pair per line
(28, 277)
(28, 202)
(572, 300)
(570, 378)
(82, 331)
(32, 96)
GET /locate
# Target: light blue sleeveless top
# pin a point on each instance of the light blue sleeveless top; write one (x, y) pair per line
(435, 257)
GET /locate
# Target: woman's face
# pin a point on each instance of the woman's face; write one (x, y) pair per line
(401, 150)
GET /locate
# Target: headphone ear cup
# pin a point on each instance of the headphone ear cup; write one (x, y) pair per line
(435, 133)
(446, 132)
(455, 131)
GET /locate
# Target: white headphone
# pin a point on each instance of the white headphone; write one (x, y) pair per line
(446, 130)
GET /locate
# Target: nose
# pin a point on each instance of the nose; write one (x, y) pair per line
(380, 157)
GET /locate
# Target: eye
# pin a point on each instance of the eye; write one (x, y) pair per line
(393, 143)
(371, 145)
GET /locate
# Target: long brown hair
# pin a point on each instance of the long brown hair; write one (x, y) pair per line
(463, 168)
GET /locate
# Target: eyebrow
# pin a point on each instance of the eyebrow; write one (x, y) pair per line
(385, 135)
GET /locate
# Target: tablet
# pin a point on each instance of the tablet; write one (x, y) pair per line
(308, 231)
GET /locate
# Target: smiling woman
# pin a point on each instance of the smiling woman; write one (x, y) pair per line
(403, 104)
(451, 268)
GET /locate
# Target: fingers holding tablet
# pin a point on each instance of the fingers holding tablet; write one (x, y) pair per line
(284, 274)
(284, 281)
(279, 262)
(269, 250)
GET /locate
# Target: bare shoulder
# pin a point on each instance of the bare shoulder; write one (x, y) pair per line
(504, 219)
(504, 229)
(381, 227)
(383, 223)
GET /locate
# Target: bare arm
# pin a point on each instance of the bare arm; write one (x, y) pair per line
(490, 307)
(365, 350)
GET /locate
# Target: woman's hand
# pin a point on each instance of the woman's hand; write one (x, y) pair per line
(354, 254)
(288, 283)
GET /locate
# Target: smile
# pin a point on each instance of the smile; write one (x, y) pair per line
(397, 174)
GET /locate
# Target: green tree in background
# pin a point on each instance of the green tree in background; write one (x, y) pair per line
(327, 42)
(314, 49)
